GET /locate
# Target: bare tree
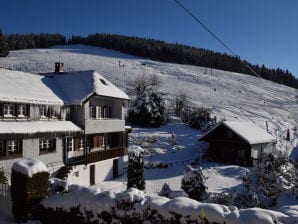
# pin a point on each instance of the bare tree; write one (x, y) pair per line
(142, 84)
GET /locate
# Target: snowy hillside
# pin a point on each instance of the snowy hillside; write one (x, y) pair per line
(231, 96)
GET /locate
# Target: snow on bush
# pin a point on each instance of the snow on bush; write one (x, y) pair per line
(29, 166)
(199, 118)
(135, 170)
(194, 183)
(148, 110)
(166, 191)
(85, 205)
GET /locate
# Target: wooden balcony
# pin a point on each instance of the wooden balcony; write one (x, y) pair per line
(100, 155)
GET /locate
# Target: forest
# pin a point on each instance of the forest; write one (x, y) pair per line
(152, 49)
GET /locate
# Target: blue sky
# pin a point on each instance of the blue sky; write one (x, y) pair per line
(261, 31)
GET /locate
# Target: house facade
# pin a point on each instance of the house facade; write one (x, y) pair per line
(238, 142)
(73, 119)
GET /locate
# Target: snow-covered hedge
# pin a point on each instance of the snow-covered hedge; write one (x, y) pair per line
(87, 205)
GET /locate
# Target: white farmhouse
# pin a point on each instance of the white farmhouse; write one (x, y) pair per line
(65, 119)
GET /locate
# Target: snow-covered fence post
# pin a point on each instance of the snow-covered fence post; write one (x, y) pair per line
(29, 185)
(135, 171)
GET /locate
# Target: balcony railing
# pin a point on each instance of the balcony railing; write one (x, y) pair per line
(105, 154)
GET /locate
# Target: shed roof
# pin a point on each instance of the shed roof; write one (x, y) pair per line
(34, 127)
(248, 131)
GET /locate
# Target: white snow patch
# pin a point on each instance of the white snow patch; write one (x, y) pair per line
(29, 166)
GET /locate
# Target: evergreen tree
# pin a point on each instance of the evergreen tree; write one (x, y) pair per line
(135, 171)
(3, 46)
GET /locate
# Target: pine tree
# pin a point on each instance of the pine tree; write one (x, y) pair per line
(135, 171)
(3, 46)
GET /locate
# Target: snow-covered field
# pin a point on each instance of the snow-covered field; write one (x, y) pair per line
(230, 95)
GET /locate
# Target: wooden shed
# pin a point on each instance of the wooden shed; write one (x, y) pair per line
(238, 142)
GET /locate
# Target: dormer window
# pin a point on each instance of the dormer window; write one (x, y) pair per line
(103, 82)
(9, 110)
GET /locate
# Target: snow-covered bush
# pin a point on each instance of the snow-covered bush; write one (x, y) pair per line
(199, 118)
(275, 175)
(82, 205)
(166, 191)
(148, 109)
(29, 185)
(135, 170)
(194, 183)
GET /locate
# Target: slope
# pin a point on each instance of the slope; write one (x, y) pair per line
(231, 96)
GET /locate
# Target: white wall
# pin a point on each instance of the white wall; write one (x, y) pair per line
(80, 174)
(31, 149)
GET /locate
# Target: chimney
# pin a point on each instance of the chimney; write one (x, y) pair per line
(59, 67)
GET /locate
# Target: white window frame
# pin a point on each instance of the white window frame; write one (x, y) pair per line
(92, 112)
(44, 144)
(43, 110)
(13, 146)
(8, 110)
(69, 143)
(99, 112)
(22, 110)
(82, 144)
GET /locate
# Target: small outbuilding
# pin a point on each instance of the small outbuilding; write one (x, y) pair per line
(238, 142)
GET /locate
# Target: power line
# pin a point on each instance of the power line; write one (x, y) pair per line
(216, 37)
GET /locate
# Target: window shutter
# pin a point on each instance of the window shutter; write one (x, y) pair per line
(21, 146)
(76, 144)
(94, 141)
(49, 112)
(1, 109)
(100, 140)
(15, 109)
(27, 110)
(110, 112)
(54, 144)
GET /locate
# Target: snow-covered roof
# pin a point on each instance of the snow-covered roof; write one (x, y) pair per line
(56, 89)
(78, 86)
(33, 127)
(27, 88)
(248, 131)
(29, 166)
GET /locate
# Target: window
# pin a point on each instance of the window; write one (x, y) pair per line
(47, 145)
(43, 111)
(99, 112)
(14, 147)
(22, 110)
(79, 143)
(82, 144)
(69, 143)
(8, 110)
(92, 112)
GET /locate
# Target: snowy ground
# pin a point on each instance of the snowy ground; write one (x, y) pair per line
(187, 150)
(230, 95)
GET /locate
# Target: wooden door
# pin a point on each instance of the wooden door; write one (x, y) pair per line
(92, 174)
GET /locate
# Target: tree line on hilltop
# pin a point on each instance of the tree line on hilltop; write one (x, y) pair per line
(149, 48)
